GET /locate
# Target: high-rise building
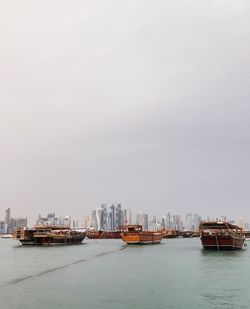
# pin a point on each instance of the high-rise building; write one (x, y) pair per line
(127, 216)
(99, 219)
(142, 219)
(168, 223)
(51, 219)
(74, 223)
(17, 223)
(177, 223)
(118, 216)
(105, 216)
(7, 220)
(86, 221)
(196, 221)
(189, 222)
(94, 220)
(111, 218)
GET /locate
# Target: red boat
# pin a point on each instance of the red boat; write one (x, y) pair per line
(221, 236)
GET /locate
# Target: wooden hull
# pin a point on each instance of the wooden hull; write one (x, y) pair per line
(103, 235)
(143, 238)
(51, 241)
(48, 236)
(222, 242)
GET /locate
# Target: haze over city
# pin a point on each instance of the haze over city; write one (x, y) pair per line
(147, 106)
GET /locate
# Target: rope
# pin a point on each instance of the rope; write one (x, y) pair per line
(217, 242)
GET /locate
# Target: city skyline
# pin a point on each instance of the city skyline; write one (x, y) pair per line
(112, 217)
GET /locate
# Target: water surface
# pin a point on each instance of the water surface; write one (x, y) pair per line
(105, 274)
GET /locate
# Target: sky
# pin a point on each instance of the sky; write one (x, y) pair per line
(144, 103)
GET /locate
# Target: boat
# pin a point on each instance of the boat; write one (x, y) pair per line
(187, 234)
(221, 235)
(92, 234)
(7, 236)
(134, 235)
(170, 234)
(247, 235)
(48, 236)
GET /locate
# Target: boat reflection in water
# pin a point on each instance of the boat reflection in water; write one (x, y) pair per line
(48, 236)
(134, 235)
(221, 236)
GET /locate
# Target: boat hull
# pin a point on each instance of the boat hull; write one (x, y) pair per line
(218, 242)
(51, 241)
(48, 236)
(142, 239)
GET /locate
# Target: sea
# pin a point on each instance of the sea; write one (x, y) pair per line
(177, 273)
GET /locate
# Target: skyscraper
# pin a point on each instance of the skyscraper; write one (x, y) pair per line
(118, 216)
(99, 219)
(105, 216)
(111, 218)
(142, 219)
(189, 222)
(94, 220)
(127, 216)
(7, 220)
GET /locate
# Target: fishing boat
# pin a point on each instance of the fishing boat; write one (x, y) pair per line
(48, 236)
(221, 235)
(134, 235)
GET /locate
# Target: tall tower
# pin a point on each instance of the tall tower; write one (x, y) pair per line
(118, 216)
(111, 217)
(94, 220)
(105, 216)
(99, 218)
(7, 220)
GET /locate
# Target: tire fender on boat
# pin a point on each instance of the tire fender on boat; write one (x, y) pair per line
(245, 245)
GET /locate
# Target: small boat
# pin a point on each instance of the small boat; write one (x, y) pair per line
(7, 236)
(170, 234)
(221, 235)
(134, 235)
(48, 236)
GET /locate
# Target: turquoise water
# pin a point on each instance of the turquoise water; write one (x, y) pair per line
(105, 274)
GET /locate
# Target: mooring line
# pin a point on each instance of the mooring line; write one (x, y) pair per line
(45, 272)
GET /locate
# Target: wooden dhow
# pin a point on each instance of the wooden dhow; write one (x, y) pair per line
(48, 236)
(221, 235)
(134, 235)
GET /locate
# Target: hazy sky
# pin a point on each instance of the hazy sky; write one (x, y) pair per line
(140, 102)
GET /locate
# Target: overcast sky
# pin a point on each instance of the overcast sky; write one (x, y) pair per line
(140, 102)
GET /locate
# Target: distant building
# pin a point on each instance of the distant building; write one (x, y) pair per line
(86, 222)
(105, 216)
(2, 227)
(99, 219)
(168, 221)
(7, 221)
(189, 222)
(17, 223)
(127, 216)
(196, 221)
(111, 218)
(142, 219)
(118, 216)
(94, 220)
(177, 223)
(51, 219)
